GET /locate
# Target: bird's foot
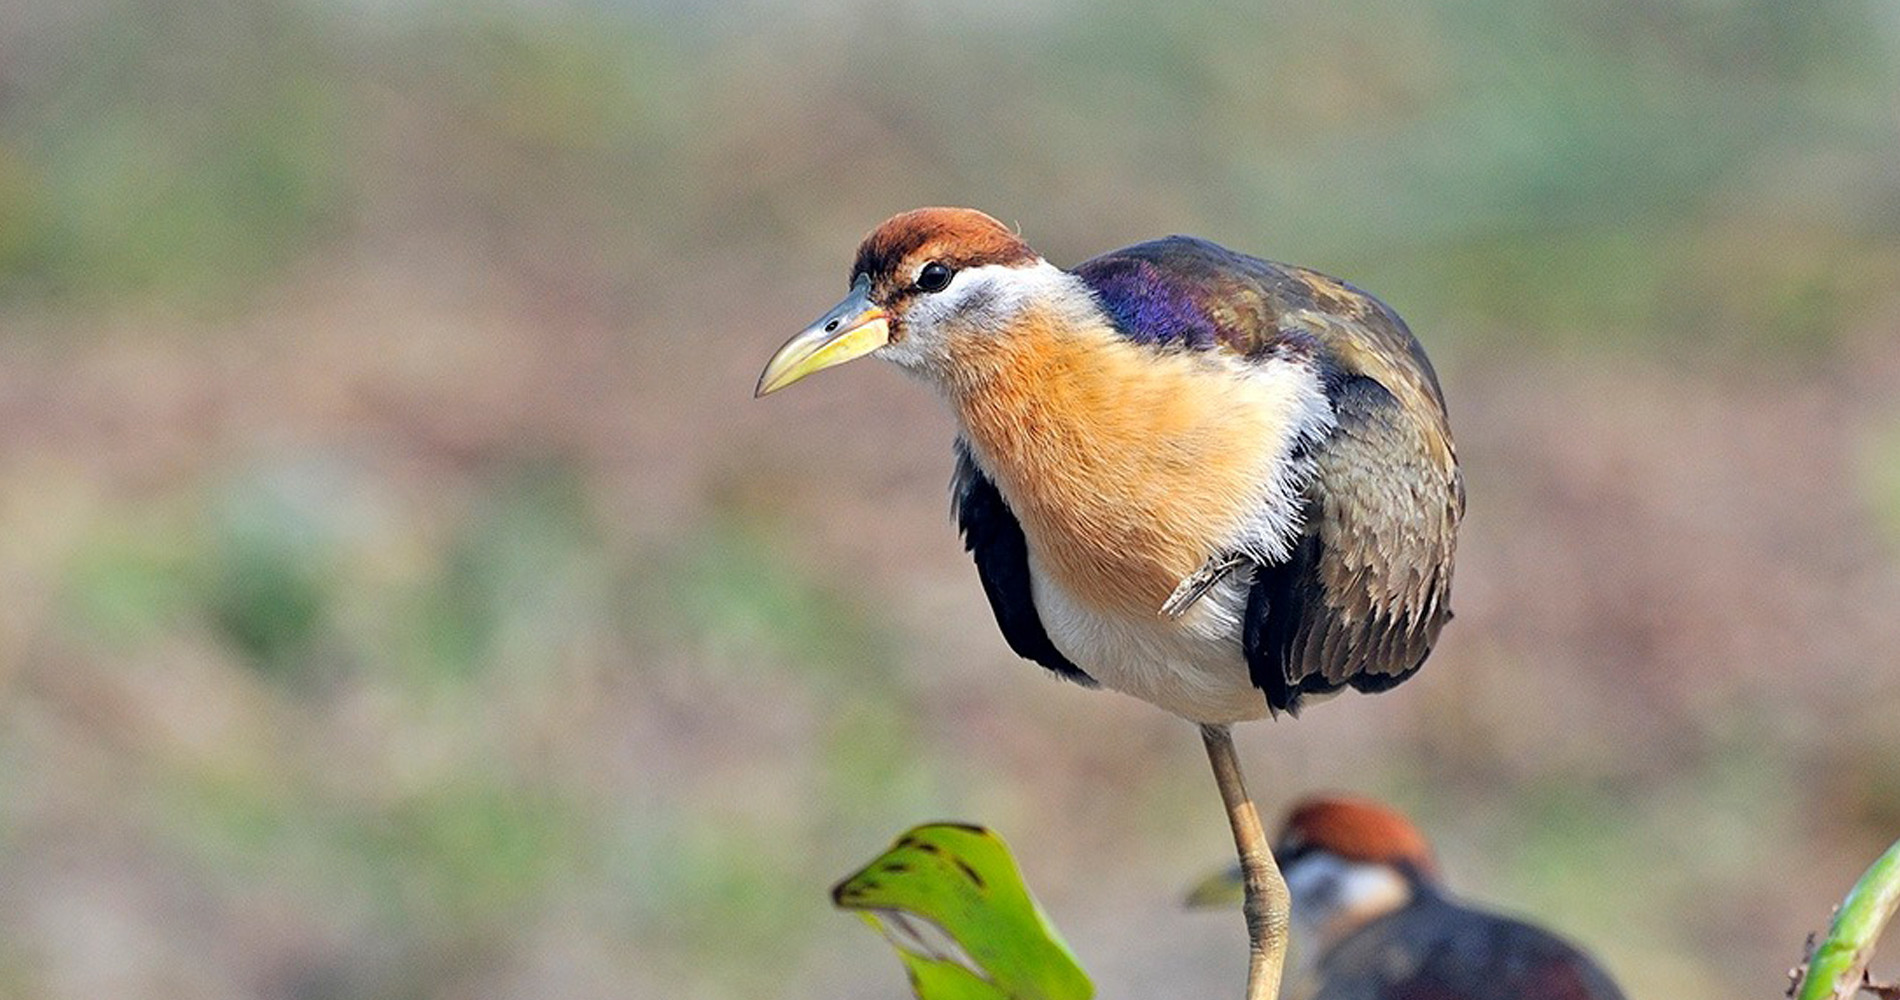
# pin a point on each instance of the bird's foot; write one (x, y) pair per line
(1199, 583)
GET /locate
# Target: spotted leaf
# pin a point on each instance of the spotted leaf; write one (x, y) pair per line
(950, 899)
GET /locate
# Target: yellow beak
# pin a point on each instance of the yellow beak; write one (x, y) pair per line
(852, 329)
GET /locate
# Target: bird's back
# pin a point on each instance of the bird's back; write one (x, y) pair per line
(1189, 292)
(1366, 588)
(1438, 949)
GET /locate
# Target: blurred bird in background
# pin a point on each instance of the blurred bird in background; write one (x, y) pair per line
(1372, 921)
(1223, 485)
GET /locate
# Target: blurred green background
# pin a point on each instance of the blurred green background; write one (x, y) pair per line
(404, 599)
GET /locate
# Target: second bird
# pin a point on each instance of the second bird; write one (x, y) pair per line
(1375, 921)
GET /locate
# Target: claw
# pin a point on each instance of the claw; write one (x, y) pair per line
(1199, 583)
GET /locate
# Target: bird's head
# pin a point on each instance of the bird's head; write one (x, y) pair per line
(926, 285)
(1348, 861)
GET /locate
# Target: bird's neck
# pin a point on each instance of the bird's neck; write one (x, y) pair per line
(1119, 460)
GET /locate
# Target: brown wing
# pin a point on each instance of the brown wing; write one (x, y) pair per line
(1368, 587)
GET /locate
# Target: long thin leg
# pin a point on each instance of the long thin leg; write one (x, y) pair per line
(1268, 908)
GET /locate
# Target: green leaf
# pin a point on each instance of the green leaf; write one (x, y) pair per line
(958, 882)
(1839, 962)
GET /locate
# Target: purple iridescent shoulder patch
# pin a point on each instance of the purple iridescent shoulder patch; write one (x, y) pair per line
(1148, 304)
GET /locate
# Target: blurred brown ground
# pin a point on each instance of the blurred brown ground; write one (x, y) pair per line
(405, 598)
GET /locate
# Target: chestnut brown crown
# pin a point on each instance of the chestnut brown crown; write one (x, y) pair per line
(1356, 829)
(958, 238)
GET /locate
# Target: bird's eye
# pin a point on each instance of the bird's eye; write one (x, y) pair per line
(935, 277)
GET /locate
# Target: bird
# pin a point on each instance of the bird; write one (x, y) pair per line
(1373, 920)
(1223, 485)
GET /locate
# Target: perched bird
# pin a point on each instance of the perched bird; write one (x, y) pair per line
(1373, 922)
(1220, 484)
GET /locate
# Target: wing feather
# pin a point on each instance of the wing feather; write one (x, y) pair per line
(994, 538)
(1367, 591)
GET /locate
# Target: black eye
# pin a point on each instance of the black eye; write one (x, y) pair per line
(935, 277)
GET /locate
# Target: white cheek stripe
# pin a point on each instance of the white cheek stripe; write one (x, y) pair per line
(1332, 896)
(984, 299)
(1002, 292)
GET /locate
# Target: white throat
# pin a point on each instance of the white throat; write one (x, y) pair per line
(1332, 897)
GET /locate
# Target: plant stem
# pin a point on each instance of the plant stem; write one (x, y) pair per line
(1838, 966)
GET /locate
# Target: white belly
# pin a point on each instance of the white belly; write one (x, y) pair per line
(1192, 666)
